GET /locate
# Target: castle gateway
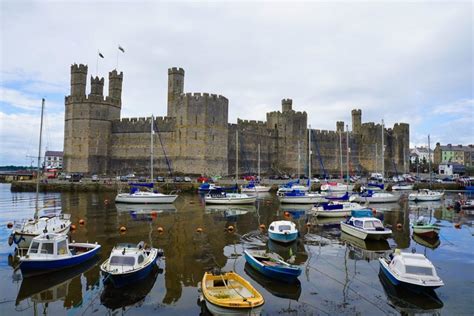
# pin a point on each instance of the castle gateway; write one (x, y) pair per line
(195, 137)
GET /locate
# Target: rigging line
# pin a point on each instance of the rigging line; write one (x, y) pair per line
(155, 126)
(350, 288)
(319, 154)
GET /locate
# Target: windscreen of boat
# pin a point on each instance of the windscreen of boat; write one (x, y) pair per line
(419, 270)
(372, 225)
(34, 247)
(122, 261)
(284, 227)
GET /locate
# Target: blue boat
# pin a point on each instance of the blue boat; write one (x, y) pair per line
(344, 197)
(129, 263)
(52, 252)
(272, 265)
(283, 231)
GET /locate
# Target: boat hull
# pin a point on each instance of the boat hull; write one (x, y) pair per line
(275, 272)
(128, 198)
(429, 231)
(376, 199)
(219, 310)
(231, 201)
(332, 213)
(365, 235)
(424, 198)
(30, 267)
(301, 199)
(409, 286)
(283, 238)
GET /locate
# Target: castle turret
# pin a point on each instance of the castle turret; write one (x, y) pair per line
(175, 88)
(356, 120)
(78, 79)
(97, 86)
(340, 126)
(115, 85)
(286, 105)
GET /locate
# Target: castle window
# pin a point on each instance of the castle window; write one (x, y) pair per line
(196, 117)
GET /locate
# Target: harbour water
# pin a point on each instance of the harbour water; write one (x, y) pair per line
(340, 273)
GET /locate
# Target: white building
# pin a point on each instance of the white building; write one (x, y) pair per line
(422, 153)
(450, 168)
(53, 159)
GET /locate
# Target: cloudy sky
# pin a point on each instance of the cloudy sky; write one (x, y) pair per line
(402, 62)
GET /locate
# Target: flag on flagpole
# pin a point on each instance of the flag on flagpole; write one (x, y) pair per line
(121, 48)
(100, 55)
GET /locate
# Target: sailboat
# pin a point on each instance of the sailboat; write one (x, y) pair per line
(25, 230)
(145, 197)
(253, 186)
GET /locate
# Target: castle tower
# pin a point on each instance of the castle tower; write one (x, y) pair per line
(175, 88)
(356, 120)
(115, 85)
(286, 105)
(78, 80)
(97, 86)
(340, 126)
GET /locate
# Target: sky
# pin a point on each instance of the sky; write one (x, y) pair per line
(406, 62)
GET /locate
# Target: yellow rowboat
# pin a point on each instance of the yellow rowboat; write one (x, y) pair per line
(230, 294)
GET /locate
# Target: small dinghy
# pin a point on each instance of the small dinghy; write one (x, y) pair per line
(283, 231)
(423, 227)
(425, 195)
(335, 209)
(230, 294)
(129, 263)
(272, 265)
(362, 225)
(411, 270)
(51, 252)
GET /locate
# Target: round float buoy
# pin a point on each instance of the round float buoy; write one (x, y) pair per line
(123, 229)
(230, 228)
(199, 230)
(308, 225)
(73, 227)
(450, 207)
(374, 211)
(287, 214)
(82, 222)
(106, 202)
(399, 226)
(10, 225)
(457, 225)
(262, 226)
(160, 229)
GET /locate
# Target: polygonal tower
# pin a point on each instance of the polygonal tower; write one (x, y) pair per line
(175, 88)
(356, 120)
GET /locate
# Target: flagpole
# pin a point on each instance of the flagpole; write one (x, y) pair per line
(97, 64)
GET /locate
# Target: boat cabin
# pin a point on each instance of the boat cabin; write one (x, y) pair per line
(406, 264)
(282, 227)
(49, 245)
(127, 257)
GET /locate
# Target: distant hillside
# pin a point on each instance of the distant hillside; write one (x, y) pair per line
(13, 168)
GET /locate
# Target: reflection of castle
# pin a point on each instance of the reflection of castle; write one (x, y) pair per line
(198, 139)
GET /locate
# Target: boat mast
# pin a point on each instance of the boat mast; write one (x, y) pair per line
(258, 166)
(39, 160)
(299, 157)
(429, 159)
(376, 158)
(309, 153)
(383, 153)
(151, 149)
(236, 156)
(347, 151)
(340, 154)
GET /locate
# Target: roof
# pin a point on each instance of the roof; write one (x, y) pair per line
(415, 259)
(54, 153)
(450, 147)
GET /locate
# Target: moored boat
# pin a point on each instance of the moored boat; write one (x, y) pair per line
(423, 227)
(129, 263)
(300, 197)
(253, 187)
(293, 185)
(272, 265)
(335, 209)
(51, 252)
(337, 187)
(283, 231)
(411, 270)
(374, 197)
(362, 225)
(144, 197)
(425, 195)
(402, 186)
(230, 294)
(221, 197)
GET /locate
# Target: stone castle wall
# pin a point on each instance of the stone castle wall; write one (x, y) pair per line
(198, 139)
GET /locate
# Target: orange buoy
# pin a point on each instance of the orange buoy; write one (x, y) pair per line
(230, 228)
(160, 229)
(374, 211)
(287, 214)
(106, 202)
(308, 225)
(262, 227)
(123, 229)
(73, 227)
(199, 230)
(10, 225)
(82, 222)
(399, 226)
(457, 225)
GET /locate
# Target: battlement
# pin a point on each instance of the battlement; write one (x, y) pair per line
(91, 98)
(114, 74)
(286, 105)
(202, 96)
(322, 134)
(97, 80)
(356, 112)
(175, 70)
(143, 124)
(79, 68)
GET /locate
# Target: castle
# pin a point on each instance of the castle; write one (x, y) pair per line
(197, 138)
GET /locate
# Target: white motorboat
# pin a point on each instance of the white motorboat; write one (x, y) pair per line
(301, 197)
(254, 188)
(292, 186)
(402, 186)
(144, 197)
(425, 195)
(362, 225)
(283, 231)
(24, 231)
(337, 187)
(220, 197)
(335, 209)
(374, 197)
(411, 270)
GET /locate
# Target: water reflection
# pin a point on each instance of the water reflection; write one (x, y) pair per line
(130, 295)
(365, 249)
(145, 208)
(424, 241)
